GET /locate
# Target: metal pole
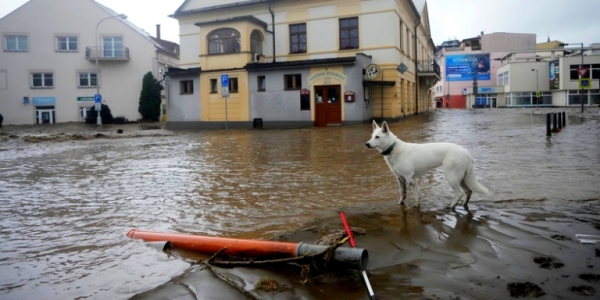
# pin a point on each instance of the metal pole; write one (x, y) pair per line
(225, 113)
(548, 131)
(349, 233)
(537, 88)
(98, 117)
(564, 119)
(581, 66)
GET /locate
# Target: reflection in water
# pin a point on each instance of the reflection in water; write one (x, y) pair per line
(67, 206)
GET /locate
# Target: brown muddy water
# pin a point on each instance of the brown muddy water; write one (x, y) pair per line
(66, 206)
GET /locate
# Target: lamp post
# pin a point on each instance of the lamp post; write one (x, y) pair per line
(580, 66)
(99, 107)
(537, 88)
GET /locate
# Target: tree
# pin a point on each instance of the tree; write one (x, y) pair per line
(150, 98)
(105, 115)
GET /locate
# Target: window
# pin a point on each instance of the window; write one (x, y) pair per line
(113, 47)
(401, 41)
(233, 85)
(292, 82)
(349, 33)
(506, 78)
(256, 42)
(298, 38)
(593, 71)
(589, 97)
(88, 79)
(261, 85)
(408, 48)
(42, 80)
(224, 41)
(16, 43)
(213, 86)
(501, 79)
(66, 43)
(186, 87)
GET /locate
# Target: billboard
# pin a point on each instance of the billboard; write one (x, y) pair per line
(463, 67)
(554, 75)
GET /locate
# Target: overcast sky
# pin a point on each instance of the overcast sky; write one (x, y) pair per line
(565, 20)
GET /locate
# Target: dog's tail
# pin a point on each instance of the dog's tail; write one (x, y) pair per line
(472, 182)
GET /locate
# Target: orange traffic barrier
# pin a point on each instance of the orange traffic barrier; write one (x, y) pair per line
(355, 257)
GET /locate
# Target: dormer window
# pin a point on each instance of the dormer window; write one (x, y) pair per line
(223, 41)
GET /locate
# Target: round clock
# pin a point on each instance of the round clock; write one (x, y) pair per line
(372, 71)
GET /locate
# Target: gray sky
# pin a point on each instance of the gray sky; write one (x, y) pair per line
(570, 21)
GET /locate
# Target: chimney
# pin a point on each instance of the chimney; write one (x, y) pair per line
(158, 31)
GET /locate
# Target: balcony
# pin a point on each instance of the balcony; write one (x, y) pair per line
(107, 54)
(429, 72)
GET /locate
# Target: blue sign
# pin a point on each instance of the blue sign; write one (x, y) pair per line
(463, 67)
(225, 80)
(485, 89)
(43, 101)
(402, 68)
(225, 85)
(97, 98)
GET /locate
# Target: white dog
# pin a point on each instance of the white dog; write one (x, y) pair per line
(409, 161)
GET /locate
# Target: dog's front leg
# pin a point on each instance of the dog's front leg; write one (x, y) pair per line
(402, 184)
(415, 188)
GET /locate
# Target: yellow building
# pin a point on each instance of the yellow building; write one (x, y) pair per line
(301, 63)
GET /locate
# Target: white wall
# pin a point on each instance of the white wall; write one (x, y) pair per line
(120, 81)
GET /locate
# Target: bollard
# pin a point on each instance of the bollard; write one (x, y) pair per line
(559, 121)
(554, 128)
(548, 132)
(564, 119)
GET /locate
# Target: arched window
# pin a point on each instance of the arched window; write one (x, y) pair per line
(256, 42)
(224, 41)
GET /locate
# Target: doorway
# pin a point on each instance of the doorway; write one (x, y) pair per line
(328, 106)
(45, 115)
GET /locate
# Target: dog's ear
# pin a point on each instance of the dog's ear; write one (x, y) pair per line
(385, 127)
(375, 126)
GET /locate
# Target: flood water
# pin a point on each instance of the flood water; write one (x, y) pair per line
(66, 206)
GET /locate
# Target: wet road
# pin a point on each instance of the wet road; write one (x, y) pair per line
(67, 206)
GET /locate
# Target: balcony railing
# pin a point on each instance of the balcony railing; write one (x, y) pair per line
(107, 53)
(429, 66)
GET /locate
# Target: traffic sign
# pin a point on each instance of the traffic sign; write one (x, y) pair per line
(538, 94)
(582, 72)
(97, 98)
(585, 83)
(225, 85)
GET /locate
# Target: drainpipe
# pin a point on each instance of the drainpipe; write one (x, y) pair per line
(416, 70)
(273, 25)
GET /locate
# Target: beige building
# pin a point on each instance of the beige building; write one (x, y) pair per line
(301, 63)
(48, 68)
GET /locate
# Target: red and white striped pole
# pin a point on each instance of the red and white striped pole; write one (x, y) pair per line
(364, 273)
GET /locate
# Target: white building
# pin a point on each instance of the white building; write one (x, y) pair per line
(480, 56)
(48, 68)
(553, 72)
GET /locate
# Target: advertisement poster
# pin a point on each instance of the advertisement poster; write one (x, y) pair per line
(463, 67)
(554, 75)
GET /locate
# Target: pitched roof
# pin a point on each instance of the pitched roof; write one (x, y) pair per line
(168, 48)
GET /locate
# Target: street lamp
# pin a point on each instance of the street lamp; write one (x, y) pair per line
(537, 87)
(581, 66)
(99, 107)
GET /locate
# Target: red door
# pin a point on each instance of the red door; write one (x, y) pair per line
(328, 106)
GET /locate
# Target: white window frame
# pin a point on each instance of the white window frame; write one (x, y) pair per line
(44, 76)
(88, 77)
(17, 42)
(116, 48)
(68, 40)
